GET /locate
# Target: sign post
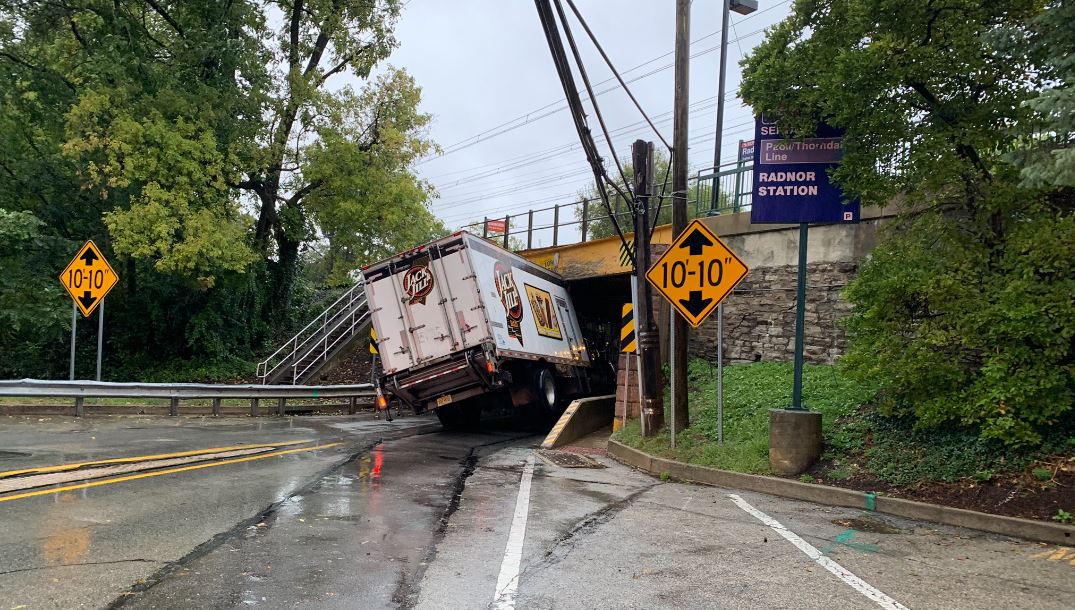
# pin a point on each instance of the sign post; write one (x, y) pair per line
(695, 275)
(792, 185)
(88, 278)
(74, 326)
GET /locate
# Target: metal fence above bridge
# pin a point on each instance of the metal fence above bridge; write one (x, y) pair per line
(584, 219)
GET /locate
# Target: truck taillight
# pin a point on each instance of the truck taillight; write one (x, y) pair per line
(489, 366)
(381, 401)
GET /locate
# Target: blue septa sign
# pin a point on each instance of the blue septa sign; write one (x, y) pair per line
(791, 177)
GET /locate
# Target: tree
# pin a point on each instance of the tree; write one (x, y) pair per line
(953, 112)
(599, 225)
(205, 145)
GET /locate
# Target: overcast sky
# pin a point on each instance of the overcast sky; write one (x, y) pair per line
(509, 144)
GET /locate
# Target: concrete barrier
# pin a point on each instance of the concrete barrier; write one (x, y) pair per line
(1043, 531)
(581, 417)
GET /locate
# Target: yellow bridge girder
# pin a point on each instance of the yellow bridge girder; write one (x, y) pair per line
(594, 258)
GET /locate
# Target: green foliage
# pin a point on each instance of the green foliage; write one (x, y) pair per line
(34, 310)
(1063, 516)
(1042, 474)
(903, 454)
(205, 148)
(961, 115)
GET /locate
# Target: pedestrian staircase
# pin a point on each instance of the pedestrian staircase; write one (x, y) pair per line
(304, 355)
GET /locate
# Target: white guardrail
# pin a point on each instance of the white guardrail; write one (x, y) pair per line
(174, 392)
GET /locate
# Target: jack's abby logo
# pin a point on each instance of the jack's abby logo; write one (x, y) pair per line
(418, 282)
(509, 296)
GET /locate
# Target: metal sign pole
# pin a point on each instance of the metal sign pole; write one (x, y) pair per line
(672, 365)
(100, 335)
(800, 319)
(720, 374)
(74, 325)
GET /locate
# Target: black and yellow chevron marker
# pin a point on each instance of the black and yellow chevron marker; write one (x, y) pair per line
(373, 341)
(628, 344)
(627, 253)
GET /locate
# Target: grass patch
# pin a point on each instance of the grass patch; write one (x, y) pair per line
(860, 443)
(750, 390)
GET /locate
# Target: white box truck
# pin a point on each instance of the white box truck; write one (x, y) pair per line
(461, 323)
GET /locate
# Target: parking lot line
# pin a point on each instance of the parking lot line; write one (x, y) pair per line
(820, 558)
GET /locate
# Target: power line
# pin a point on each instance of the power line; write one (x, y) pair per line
(499, 167)
(528, 117)
(527, 205)
(494, 191)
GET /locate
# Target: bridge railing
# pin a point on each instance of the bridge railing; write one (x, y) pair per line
(585, 219)
(174, 392)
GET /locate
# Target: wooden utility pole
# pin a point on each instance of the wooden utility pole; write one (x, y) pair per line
(680, 418)
(652, 401)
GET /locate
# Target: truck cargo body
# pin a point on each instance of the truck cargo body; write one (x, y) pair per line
(459, 318)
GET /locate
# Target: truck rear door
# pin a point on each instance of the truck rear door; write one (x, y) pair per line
(427, 310)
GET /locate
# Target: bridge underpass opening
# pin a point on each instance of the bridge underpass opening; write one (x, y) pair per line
(599, 303)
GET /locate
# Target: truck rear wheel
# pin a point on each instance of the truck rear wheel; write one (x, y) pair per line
(545, 386)
(462, 416)
(544, 410)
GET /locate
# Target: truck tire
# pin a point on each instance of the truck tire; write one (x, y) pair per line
(545, 388)
(463, 416)
(544, 411)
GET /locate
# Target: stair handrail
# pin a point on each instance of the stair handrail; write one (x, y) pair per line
(300, 339)
(325, 346)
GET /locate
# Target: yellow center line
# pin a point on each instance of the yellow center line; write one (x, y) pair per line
(141, 458)
(157, 473)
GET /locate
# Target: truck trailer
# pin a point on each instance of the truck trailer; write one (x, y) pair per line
(463, 325)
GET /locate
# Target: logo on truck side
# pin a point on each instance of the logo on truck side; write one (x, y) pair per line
(509, 296)
(544, 313)
(418, 282)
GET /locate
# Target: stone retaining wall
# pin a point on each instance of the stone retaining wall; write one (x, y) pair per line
(759, 317)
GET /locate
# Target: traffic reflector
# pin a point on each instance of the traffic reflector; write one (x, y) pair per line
(373, 341)
(628, 343)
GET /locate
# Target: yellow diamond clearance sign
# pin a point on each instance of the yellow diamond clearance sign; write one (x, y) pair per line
(696, 272)
(88, 278)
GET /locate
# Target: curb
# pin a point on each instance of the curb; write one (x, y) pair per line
(1054, 533)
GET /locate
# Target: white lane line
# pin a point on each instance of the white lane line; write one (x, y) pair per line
(842, 573)
(507, 584)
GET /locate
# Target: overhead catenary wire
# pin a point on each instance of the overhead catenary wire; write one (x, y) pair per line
(552, 36)
(616, 74)
(593, 103)
(529, 119)
(546, 180)
(621, 132)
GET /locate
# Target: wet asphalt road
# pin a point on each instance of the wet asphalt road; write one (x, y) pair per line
(426, 522)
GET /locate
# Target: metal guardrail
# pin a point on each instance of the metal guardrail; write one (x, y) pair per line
(314, 338)
(81, 390)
